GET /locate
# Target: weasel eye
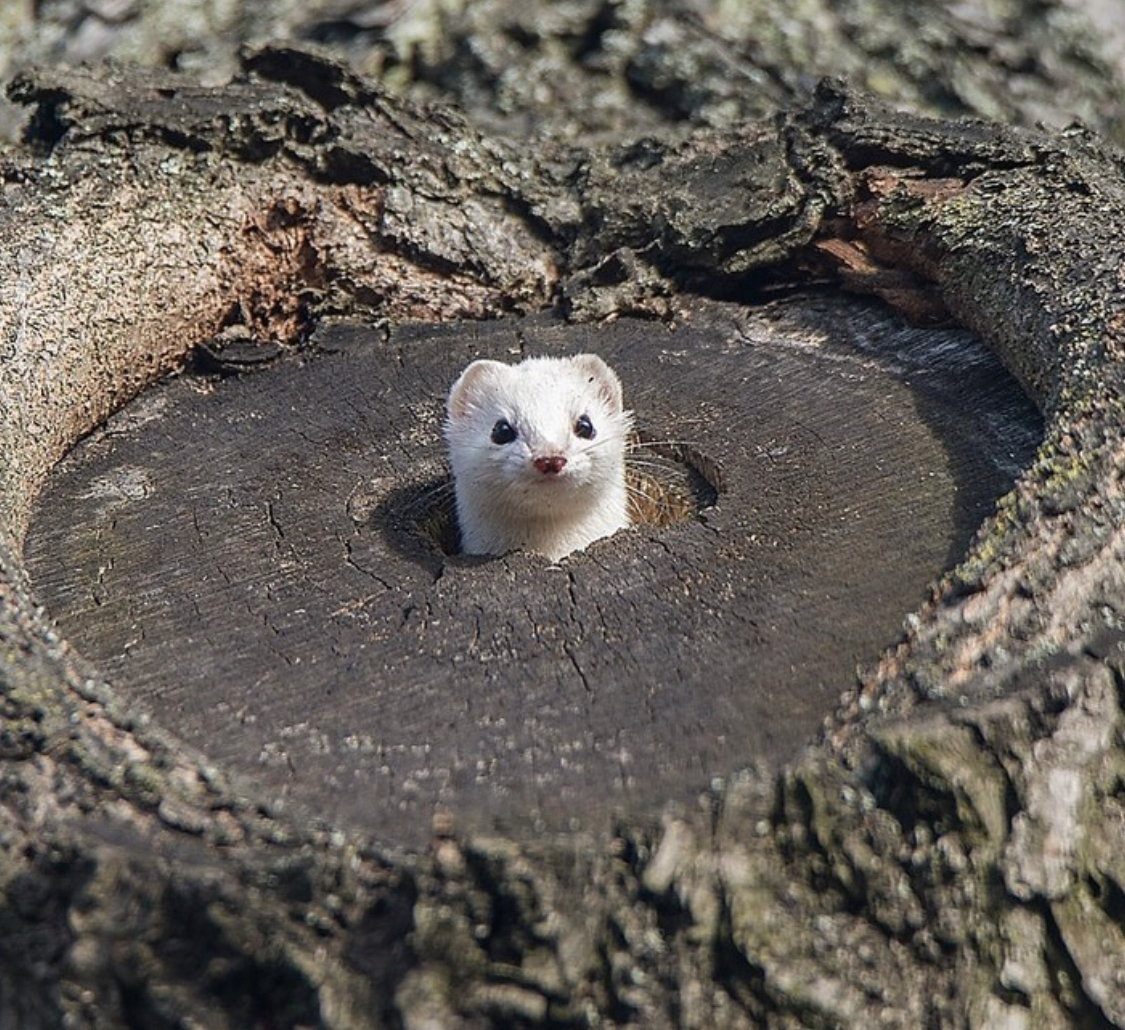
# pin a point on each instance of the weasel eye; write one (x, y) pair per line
(585, 428)
(503, 432)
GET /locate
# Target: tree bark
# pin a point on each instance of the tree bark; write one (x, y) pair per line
(946, 855)
(604, 68)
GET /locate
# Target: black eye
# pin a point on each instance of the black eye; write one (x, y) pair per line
(585, 428)
(503, 432)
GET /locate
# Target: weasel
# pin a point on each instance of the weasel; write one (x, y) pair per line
(538, 454)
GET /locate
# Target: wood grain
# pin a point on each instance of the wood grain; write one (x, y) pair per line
(243, 557)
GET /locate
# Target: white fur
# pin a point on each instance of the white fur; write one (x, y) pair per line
(504, 502)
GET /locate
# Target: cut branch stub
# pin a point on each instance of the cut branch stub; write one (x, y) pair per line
(879, 879)
(290, 574)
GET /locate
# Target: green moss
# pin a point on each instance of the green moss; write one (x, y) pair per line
(993, 542)
(144, 782)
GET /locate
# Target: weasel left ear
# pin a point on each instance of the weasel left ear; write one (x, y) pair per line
(604, 379)
(466, 390)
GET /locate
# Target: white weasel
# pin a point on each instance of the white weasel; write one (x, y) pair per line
(538, 454)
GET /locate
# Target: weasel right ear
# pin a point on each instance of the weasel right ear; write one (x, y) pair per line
(604, 379)
(467, 390)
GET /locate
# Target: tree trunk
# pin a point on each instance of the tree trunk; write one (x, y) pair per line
(946, 855)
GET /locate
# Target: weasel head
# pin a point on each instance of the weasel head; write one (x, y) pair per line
(541, 443)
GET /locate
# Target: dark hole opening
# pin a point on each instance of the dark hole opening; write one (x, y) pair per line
(669, 482)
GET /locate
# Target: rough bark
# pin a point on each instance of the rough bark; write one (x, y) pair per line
(947, 855)
(570, 70)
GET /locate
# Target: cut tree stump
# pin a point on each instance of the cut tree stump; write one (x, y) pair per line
(254, 563)
(947, 853)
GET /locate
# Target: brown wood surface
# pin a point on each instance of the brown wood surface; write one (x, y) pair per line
(243, 558)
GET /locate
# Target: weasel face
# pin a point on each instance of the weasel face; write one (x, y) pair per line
(542, 442)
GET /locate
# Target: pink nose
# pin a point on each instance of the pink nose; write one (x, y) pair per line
(551, 466)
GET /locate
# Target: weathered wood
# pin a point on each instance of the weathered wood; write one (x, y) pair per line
(248, 563)
(946, 856)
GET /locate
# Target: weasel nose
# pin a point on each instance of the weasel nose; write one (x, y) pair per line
(551, 466)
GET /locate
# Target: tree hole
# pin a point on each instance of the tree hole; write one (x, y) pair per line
(669, 481)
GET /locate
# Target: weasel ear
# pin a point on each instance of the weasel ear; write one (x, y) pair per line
(603, 378)
(467, 390)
